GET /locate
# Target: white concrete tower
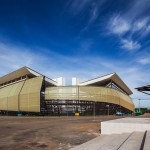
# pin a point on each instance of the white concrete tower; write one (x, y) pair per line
(60, 81)
(75, 81)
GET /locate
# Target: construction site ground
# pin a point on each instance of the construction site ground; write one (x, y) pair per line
(48, 133)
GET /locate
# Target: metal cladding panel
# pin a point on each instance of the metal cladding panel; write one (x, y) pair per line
(4, 92)
(126, 101)
(66, 93)
(99, 94)
(91, 93)
(13, 96)
(112, 96)
(30, 95)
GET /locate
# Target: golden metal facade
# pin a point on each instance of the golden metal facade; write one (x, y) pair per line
(13, 96)
(22, 96)
(99, 94)
(30, 95)
(4, 93)
(25, 95)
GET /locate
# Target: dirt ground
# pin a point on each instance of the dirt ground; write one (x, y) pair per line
(48, 133)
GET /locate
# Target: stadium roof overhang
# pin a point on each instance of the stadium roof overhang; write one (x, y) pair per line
(104, 80)
(144, 89)
(22, 72)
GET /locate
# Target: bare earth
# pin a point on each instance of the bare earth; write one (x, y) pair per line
(48, 133)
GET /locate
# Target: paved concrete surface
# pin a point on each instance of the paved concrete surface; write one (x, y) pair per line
(125, 125)
(147, 141)
(133, 142)
(125, 141)
(104, 142)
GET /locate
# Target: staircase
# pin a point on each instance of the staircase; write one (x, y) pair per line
(124, 141)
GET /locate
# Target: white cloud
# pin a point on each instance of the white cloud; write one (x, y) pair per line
(94, 11)
(141, 24)
(144, 61)
(77, 6)
(118, 25)
(126, 28)
(134, 22)
(137, 7)
(13, 57)
(130, 44)
(148, 28)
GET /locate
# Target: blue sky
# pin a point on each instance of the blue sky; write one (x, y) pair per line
(78, 38)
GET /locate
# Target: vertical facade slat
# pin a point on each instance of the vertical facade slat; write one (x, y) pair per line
(9, 96)
(30, 95)
(13, 96)
(90, 93)
(4, 92)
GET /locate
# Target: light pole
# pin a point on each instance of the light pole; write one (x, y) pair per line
(108, 109)
(94, 110)
(139, 105)
(67, 109)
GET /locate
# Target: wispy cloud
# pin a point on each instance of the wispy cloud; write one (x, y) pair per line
(95, 9)
(13, 57)
(148, 29)
(136, 8)
(131, 24)
(118, 25)
(77, 6)
(89, 9)
(130, 44)
(145, 60)
(140, 24)
(125, 29)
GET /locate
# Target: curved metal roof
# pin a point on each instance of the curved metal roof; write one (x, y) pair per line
(143, 88)
(100, 81)
(103, 80)
(24, 71)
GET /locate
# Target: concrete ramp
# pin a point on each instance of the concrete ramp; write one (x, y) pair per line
(134, 142)
(147, 141)
(125, 141)
(125, 125)
(104, 142)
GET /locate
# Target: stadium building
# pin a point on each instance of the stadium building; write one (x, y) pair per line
(26, 91)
